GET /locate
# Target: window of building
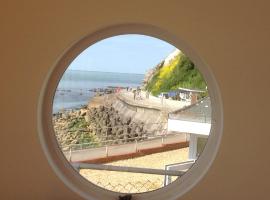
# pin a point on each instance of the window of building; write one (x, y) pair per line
(131, 114)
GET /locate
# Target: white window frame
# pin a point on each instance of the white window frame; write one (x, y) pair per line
(56, 158)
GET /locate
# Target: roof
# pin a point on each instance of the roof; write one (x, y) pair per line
(198, 112)
(190, 90)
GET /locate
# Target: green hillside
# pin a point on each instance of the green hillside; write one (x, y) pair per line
(180, 72)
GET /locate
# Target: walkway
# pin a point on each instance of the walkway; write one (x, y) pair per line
(126, 149)
(152, 102)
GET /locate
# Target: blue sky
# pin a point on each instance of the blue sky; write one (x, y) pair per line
(124, 53)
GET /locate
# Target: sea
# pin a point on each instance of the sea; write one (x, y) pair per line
(75, 87)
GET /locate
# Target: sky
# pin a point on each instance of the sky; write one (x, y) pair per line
(124, 53)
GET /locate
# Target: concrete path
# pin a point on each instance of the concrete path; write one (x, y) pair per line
(123, 149)
(152, 102)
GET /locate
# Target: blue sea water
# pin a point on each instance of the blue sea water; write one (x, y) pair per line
(73, 88)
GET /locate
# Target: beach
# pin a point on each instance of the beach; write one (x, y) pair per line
(135, 182)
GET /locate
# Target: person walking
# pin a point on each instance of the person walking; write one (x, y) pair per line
(147, 95)
(134, 94)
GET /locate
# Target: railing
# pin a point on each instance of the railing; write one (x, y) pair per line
(118, 126)
(182, 167)
(79, 166)
(101, 143)
(104, 143)
(198, 117)
(74, 152)
(136, 184)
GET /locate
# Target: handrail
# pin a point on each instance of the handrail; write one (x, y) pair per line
(127, 169)
(107, 127)
(106, 141)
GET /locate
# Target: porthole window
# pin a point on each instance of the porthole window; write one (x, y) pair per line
(126, 113)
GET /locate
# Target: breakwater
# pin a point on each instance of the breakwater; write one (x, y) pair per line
(108, 118)
(94, 125)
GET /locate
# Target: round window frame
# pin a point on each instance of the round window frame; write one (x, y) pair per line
(60, 164)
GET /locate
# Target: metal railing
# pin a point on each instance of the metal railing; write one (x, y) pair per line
(182, 167)
(104, 143)
(137, 184)
(117, 126)
(79, 166)
(80, 152)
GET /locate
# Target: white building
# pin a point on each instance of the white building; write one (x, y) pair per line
(190, 95)
(195, 121)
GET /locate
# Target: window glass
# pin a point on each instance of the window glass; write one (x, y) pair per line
(128, 111)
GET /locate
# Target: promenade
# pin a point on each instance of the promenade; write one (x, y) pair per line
(152, 101)
(162, 143)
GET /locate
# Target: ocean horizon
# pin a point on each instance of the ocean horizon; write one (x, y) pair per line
(79, 70)
(73, 90)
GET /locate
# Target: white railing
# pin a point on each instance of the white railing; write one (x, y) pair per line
(103, 143)
(79, 166)
(77, 152)
(181, 167)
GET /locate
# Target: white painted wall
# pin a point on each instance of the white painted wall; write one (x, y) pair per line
(189, 127)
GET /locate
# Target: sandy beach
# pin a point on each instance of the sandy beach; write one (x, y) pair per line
(135, 182)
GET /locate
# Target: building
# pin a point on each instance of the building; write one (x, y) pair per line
(184, 94)
(190, 95)
(194, 120)
(232, 37)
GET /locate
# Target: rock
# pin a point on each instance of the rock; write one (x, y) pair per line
(83, 112)
(64, 116)
(87, 118)
(105, 122)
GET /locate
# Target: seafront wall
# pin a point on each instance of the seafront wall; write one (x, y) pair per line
(107, 118)
(154, 118)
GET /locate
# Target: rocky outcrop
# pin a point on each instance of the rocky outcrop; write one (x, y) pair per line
(96, 125)
(107, 124)
(71, 128)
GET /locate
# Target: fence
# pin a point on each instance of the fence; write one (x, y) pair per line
(183, 166)
(101, 143)
(126, 179)
(104, 143)
(160, 126)
(87, 151)
(135, 141)
(132, 187)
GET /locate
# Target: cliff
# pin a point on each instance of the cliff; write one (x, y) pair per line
(177, 70)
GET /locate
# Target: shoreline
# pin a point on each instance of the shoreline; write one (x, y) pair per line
(107, 117)
(94, 123)
(67, 99)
